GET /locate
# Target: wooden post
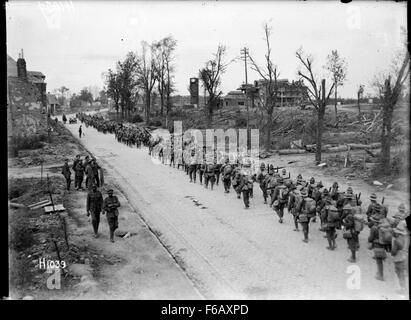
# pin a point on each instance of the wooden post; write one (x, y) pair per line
(58, 255)
(49, 192)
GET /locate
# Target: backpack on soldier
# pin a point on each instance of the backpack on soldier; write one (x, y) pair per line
(333, 214)
(283, 195)
(384, 233)
(227, 170)
(359, 221)
(310, 205)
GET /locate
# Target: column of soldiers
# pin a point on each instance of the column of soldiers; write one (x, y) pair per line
(305, 202)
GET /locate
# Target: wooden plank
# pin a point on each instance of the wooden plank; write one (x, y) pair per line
(57, 207)
(38, 203)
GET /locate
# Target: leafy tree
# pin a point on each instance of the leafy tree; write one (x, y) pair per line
(337, 66)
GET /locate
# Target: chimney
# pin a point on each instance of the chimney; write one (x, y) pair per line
(21, 66)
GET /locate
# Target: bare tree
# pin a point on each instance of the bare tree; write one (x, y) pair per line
(269, 93)
(317, 96)
(360, 92)
(393, 87)
(337, 66)
(211, 78)
(146, 74)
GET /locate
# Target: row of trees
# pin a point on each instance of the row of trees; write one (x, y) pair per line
(141, 74)
(152, 69)
(391, 86)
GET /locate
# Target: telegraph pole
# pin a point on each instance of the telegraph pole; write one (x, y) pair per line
(245, 52)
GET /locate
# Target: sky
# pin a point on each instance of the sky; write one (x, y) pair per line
(74, 42)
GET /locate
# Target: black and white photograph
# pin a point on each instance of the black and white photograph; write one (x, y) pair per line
(207, 150)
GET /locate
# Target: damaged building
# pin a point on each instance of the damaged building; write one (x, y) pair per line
(26, 100)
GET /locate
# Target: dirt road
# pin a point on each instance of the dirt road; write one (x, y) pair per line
(229, 252)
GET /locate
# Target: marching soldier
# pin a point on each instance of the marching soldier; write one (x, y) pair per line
(399, 252)
(110, 206)
(306, 210)
(372, 206)
(65, 171)
(378, 248)
(334, 191)
(193, 166)
(236, 179)
(209, 175)
(294, 200)
(350, 234)
(246, 186)
(94, 207)
(261, 179)
(89, 176)
(79, 175)
(280, 198)
(95, 167)
(226, 170)
(311, 187)
(330, 217)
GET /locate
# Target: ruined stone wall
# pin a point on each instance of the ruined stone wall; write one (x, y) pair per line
(26, 113)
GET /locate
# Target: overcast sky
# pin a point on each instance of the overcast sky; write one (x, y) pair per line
(72, 43)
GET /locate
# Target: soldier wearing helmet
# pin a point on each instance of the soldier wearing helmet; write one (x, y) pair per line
(280, 198)
(306, 210)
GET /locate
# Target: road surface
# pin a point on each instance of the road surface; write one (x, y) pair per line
(229, 252)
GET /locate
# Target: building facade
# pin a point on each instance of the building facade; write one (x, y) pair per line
(289, 93)
(26, 100)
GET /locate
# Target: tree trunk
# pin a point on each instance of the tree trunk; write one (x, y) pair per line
(320, 122)
(148, 103)
(386, 137)
(319, 134)
(268, 131)
(335, 100)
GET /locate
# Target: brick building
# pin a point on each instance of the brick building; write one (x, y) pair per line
(26, 99)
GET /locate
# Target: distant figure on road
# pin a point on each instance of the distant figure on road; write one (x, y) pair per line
(64, 118)
(66, 173)
(80, 131)
(94, 207)
(110, 206)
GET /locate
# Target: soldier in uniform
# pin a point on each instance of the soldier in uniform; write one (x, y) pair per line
(89, 176)
(95, 167)
(372, 206)
(334, 191)
(193, 167)
(305, 213)
(226, 171)
(245, 186)
(94, 207)
(79, 175)
(330, 216)
(65, 171)
(261, 179)
(110, 206)
(209, 175)
(236, 179)
(399, 252)
(379, 249)
(293, 201)
(280, 199)
(311, 187)
(350, 234)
